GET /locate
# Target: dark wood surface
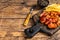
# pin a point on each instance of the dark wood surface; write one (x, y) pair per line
(12, 16)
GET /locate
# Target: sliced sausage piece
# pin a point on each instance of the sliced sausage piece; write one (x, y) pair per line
(54, 20)
(47, 22)
(42, 19)
(52, 25)
(43, 14)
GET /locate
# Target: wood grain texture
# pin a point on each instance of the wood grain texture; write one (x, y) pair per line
(12, 16)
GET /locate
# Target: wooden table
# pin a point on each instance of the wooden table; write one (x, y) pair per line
(12, 16)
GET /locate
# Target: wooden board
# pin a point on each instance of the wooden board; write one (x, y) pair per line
(12, 16)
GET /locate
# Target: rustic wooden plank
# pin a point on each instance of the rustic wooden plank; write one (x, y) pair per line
(30, 2)
(20, 1)
(37, 38)
(1, 38)
(57, 35)
(3, 0)
(14, 34)
(13, 25)
(11, 1)
(12, 21)
(21, 38)
(3, 33)
(10, 38)
(21, 34)
(41, 38)
(3, 5)
(12, 28)
(14, 12)
(54, 1)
